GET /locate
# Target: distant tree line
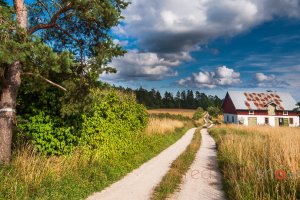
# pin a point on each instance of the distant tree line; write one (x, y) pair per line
(298, 108)
(187, 99)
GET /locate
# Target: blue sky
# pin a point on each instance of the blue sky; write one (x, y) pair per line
(212, 46)
(209, 45)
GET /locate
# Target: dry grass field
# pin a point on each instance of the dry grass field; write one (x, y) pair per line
(259, 162)
(162, 125)
(184, 112)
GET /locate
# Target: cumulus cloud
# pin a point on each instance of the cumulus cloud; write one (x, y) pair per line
(168, 26)
(135, 65)
(167, 31)
(268, 81)
(221, 77)
(122, 43)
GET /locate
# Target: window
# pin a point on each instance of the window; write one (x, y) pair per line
(251, 112)
(266, 120)
(285, 113)
(227, 118)
(291, 121)
(232, 118)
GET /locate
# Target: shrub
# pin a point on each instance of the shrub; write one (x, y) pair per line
(111, 124)
(198, 114)
(48, 134)
(114, 124)
(213, 111)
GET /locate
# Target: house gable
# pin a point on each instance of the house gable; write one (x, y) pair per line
(228, 106)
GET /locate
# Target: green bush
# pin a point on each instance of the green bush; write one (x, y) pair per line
(49, 134)
(214, 111)
(111, 124)
(198, 114)
(115, 123)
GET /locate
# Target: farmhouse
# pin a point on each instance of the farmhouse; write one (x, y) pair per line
(260, 108)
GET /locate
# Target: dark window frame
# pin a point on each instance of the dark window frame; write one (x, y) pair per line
(267, 120)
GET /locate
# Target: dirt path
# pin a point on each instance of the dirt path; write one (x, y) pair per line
(203, 180)
(138, 185)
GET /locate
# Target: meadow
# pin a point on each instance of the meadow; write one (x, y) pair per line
(259, 162)
(183, 112)
(79, 174)
(163, 125)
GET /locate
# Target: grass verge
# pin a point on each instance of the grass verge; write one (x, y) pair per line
(259, 162)
(179, 167)
(33, 176)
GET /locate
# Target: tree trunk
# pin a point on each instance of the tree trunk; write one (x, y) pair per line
(10, 86)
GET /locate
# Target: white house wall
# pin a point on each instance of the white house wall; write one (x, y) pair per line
(260, 119)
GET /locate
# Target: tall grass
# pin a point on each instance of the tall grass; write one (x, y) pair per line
(76, 176)
(163, 125)
(184, 112)
(259, 162)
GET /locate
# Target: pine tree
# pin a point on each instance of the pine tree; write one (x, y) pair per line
(298, 108)
(178, 100)
(183, 99)
(52, 36)
(190, 102)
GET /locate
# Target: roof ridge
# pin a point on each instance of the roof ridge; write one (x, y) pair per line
(255, 100)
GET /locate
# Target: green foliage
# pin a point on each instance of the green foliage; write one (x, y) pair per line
(114, 124)
(198, 114)
(214, 111)
(83, 28)
(49, 135)
(111, 121)
(298, 108)
(184, 99)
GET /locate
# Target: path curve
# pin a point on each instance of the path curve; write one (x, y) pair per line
(203, 180)
(139, 184)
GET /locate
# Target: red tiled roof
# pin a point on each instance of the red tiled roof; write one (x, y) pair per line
(261, 100)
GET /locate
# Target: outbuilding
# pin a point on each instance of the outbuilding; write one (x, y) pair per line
(260, 108)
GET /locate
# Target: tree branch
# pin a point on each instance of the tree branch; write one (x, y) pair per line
(44, 6)
(52, 21)
(45, 79)
(67, 33)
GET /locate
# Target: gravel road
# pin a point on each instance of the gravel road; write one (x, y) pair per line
(138, 184)
(203, 180)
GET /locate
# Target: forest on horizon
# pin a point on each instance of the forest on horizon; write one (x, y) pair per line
(185, 99)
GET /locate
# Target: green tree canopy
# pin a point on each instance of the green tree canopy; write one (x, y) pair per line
(67, 44)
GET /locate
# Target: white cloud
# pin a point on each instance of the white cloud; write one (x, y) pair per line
(269, 81)
(169, 18)
(135, 65)
(221, 77)
(169, 30)
(123, 43)
(260, 77)
(175, 25)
